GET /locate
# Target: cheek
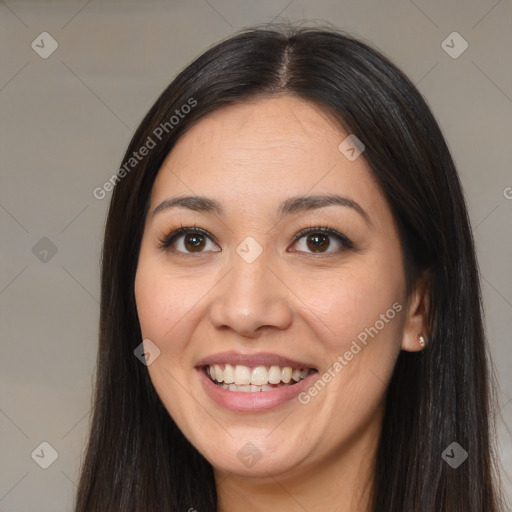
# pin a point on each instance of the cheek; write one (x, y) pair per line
(162, 306)
(358, 318)
(170, 306)
(162, 310)
(352, 301)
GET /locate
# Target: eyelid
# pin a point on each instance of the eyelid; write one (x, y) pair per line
(328, 230)
(164, 242)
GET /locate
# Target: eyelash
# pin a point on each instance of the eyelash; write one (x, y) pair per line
(164, 242)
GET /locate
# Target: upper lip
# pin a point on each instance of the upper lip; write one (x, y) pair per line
(259, 359)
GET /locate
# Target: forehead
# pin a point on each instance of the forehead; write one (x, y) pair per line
(259, 152)
(281, 128)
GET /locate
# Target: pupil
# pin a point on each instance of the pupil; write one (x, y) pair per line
(320, 241)
(316, 242)
(194, 242)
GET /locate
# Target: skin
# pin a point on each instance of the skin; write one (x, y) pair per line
(293, 301)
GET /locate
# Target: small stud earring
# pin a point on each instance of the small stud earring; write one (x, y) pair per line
(421, 339)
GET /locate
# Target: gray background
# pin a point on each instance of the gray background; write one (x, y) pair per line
(66, 121)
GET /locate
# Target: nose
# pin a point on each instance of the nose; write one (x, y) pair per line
(250, 299)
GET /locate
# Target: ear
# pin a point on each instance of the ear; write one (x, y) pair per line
(417, 314)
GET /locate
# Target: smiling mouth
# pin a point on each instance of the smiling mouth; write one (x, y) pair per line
(256, 379)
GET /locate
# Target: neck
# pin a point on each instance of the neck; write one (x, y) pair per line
(341, 482)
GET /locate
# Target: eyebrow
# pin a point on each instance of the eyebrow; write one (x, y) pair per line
(287, 207)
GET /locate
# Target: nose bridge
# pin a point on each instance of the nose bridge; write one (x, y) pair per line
(251, 295)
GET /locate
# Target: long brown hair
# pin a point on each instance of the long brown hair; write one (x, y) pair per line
(137, 460)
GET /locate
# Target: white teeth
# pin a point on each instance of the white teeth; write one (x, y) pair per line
(218, 373)
(274, 375)
(247, 388)
(242, 375)
(295, 375)
(286, 374)
(229, 374)
(259, 378)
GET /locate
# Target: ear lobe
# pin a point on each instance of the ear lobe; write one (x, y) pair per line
(417, 315)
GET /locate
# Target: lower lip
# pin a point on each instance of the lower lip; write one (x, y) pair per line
(258, 401)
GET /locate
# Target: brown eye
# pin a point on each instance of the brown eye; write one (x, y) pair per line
(188, 241)
(317, 242)
(194, 242)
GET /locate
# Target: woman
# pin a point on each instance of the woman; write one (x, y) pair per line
(290, 308)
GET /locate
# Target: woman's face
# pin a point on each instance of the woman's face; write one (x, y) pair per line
(242, 292)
